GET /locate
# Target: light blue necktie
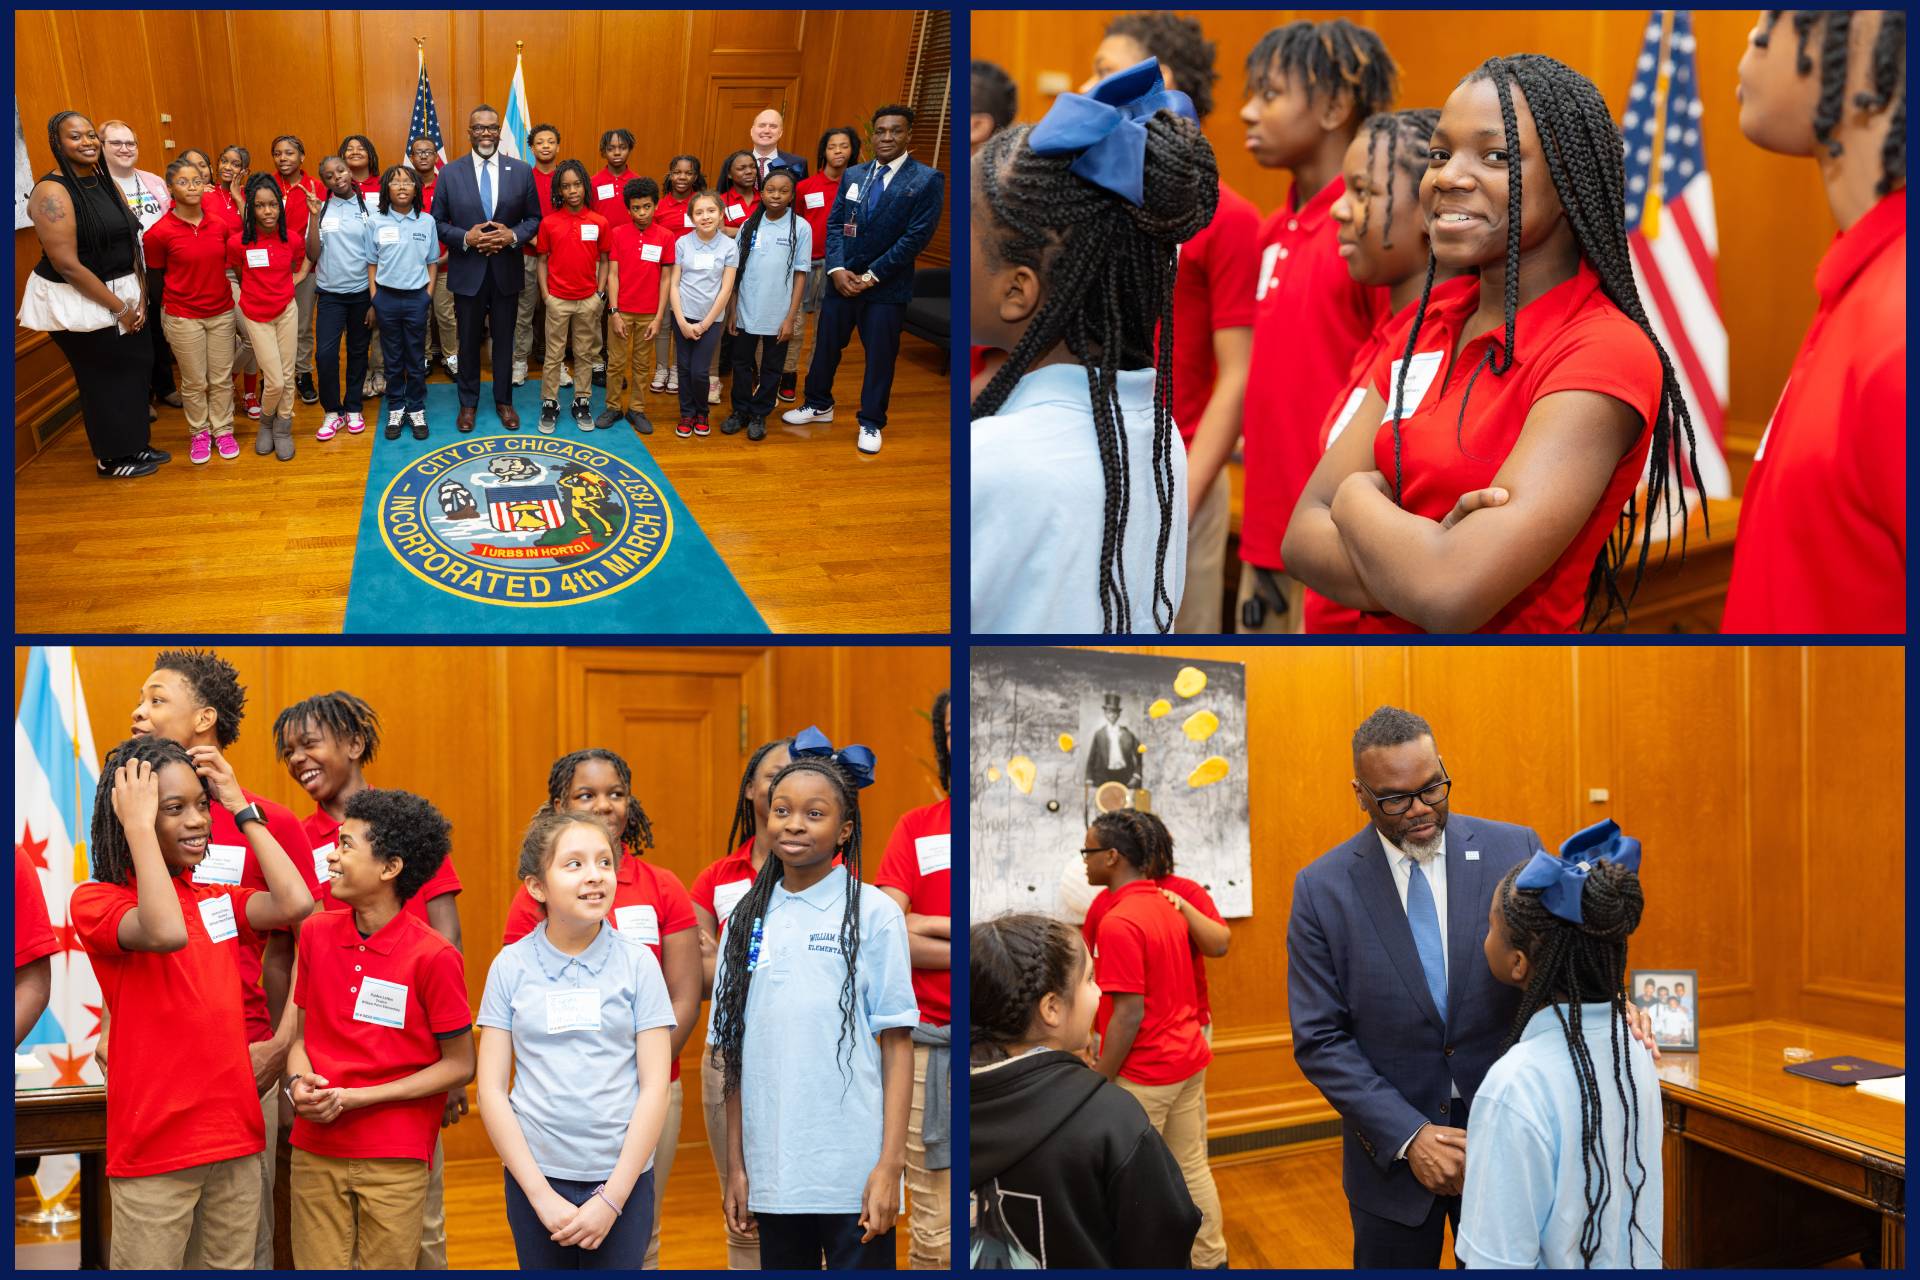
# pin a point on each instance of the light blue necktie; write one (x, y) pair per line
(486, 187)
(1426, 935)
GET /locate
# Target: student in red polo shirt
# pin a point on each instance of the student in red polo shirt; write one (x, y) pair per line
(1151, 1043)
(383, 1034)
(295, 185)
(573, 271)
(607, 197)
(189, 243)
(33, 942)
(739, 190)
(915, 873)
(184, 1129)
(543, 144)
(1532, 402)
(684, 179)
(424, 158)
(649, 904)
(1309, 87)
(1822, 543)
(639, 253)
(813, 196)
(271, 260)
(363, 162)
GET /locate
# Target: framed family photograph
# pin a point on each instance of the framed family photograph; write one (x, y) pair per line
(1670, 997)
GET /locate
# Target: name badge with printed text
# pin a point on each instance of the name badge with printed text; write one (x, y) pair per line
(217, 915)
(222, 865)
(389, 235)
(604, 191)
(321, 853)
(382, 1003)
(576, 1010)
(256, 257)
(650, 253)
(727, 896)
(639, 923)
(934, 853)
(589, 231)
(816, 199)
(1424, 368)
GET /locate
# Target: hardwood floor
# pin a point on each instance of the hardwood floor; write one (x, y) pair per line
(821, 537)
(1288, 1211)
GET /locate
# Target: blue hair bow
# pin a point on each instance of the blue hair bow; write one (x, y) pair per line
(856, 759)
(1561, 879)
(1103, 129)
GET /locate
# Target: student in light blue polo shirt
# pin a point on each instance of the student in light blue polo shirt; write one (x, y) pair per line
(577, 1013)
(1551, 1183)
(776, 253)
(407, 252)
(812, 1009)
(341, 250)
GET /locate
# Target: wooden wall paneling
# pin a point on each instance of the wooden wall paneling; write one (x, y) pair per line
(1775, 806)
(301, 96)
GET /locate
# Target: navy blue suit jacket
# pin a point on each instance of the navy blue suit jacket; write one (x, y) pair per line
(1365, 1030)
(457, 209)
(788, 159)
(894, 235)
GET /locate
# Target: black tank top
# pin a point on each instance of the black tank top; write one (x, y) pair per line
(104, 238)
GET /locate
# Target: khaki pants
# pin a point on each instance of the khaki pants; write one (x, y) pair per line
(627, 369)
(433, 1218)
(1273, 624)
(1207, 560)
(809, 313)
(1178, 1112)
(662, 1166)
(204, 351)
(303, 317)
(273, 344)
(206, 1212)
(523, 322)
(243, 358)
(579, 319)
(443, 320)
(363, 1213)
(743, 1252)
(930, 1225)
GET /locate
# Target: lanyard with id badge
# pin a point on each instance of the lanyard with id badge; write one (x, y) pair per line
(851, 228)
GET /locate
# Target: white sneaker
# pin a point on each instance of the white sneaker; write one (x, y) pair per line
(519, 373)
(566, 376)
(453, 366)
(806, 413)
(673, 379)
(869, 439)
(713, 391)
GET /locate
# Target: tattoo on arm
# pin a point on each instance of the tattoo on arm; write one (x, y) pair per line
(51, 209)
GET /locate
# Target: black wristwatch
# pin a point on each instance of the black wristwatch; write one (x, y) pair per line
(249, 814)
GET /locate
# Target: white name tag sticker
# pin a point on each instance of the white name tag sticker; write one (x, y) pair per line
(382, 1003)
(639, 923)
(736, 211)
(256, 257)
(589, 231)
(703, 261)
(222, 865)
(576, 1010)
(686, 220)
(321, 853)
(934, 853)
(217, 915)
(816, 199)
(1421, 372)
(650, 253)
(604, 191)
(727, 896)
(329, 225)
(1346, 414)
(389, 235)
(1473, 855)
(853, 191)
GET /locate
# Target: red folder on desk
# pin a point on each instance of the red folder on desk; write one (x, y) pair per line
(1844, 1070)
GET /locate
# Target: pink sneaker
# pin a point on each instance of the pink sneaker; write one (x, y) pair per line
(229, 447)
(355, 424)
(252, 402)
(202, 448)
(330, 427)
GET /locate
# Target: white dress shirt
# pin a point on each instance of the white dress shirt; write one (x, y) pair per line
(1114, 760)
(480, 164)
(1436, 873)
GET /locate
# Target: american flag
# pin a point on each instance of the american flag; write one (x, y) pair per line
(1671, 232)
(426, 122)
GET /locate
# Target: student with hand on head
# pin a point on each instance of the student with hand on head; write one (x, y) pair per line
(184, 1125)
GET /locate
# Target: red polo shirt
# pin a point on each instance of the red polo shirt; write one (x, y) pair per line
(182, 1089)
(228, 848)
(917, 864)
(736, 209)
(293, 194)
(1309, 319)
(220, 200)
(426, 205)
(266, 283)
(323, 833)
(649, 903)
(642, 257)
(423, 982)
(1193, 892)
(723, 883)
(543, 185)
(574, 244)
(32, 931)
(1822, 543)
(1571, 338)
(671, 212)
(813, 196)
(1219, 269)
(194, 256)
(1142, 948)
(606, 194)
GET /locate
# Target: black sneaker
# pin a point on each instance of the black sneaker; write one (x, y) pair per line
(789, 386)
(304, 385)
(639, 422)
(606, 419)
(418, 421)
(395, 419)
(153, 455)
(734, 425)
(583, 413)
(125, 468)
(600, 377)
(549, 416)
(756, 428)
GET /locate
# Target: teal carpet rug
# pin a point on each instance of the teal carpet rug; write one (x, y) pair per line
(516, 532)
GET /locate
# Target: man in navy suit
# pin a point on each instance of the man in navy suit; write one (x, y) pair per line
(882, 218)
(1396, 1016)
(765, 132)
(486, 206)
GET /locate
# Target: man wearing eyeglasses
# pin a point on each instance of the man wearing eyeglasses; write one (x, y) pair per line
(1396, 1015)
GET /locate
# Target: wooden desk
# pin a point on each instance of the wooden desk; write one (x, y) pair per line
(1769, 1169)
(51, 1122)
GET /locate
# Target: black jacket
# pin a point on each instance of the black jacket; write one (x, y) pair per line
(1084, 1179)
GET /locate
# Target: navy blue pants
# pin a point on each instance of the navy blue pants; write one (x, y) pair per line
(336, 314)
(756, 382)
(696, 357)
(403, 340)
(801, 1241)
(1385, 1245)
(624, 1249)
(879, 325)
(492, 312)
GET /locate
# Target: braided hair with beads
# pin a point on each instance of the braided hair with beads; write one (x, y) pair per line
(1013, 962)
(1586, 162)
(112, 856)
(1408, 136)
(1573, 964)
(1108, 270)
(739, 946)
(636, 833)
(1887, 72)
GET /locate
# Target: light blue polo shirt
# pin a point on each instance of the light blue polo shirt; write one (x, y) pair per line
(766, 286)
(811, 1123)
(574, 1019)
(346, 245)
(703, 268)
(405, 248)
(1523, 1203)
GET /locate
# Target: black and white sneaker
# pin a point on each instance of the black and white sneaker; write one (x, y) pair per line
(395, 419)
(153, 455)
(417, 419)
(304, 385)
(583, 413)
(549, 416)
(125, 468)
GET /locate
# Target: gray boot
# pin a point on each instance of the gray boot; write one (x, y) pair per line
(263, 443)
(283, 438)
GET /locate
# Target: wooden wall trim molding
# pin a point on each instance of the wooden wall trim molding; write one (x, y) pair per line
(1864, 993)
